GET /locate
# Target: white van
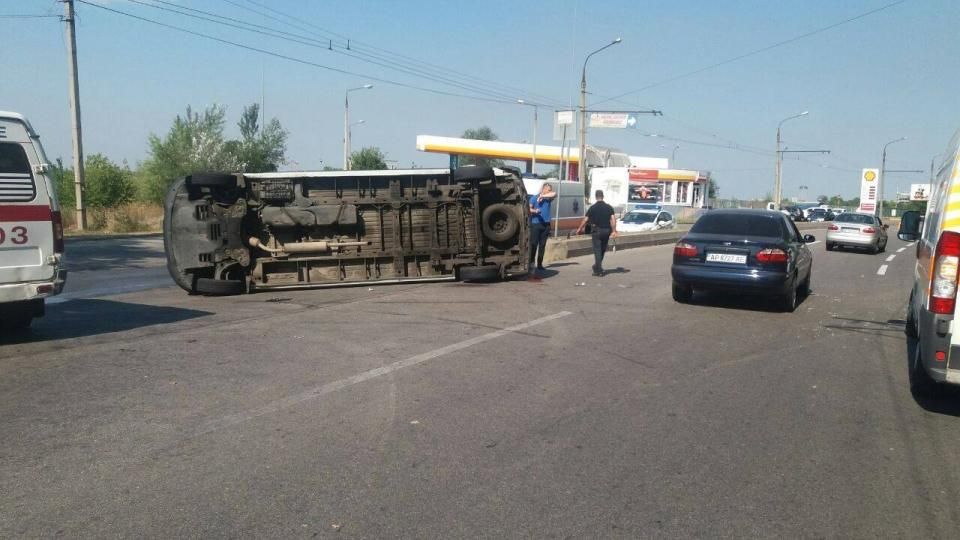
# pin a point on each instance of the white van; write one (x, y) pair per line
(31, 232)
(933, 298)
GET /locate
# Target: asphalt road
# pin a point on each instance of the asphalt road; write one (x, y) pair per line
(573, 407)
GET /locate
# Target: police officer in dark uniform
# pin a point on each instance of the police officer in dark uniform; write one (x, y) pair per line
(603, 226)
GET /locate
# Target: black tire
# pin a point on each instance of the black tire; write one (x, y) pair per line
(479, 274)
(805, 286)
(789, 301)
(910, 325)
(214, 180)
(682, 293)
(15, 323)
(874, 249)
(921, 385)
(882, 248)
(500, 222)
(828, 246)
(469, 174)
(218, 287)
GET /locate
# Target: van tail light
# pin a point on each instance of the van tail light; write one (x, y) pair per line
(57, 231)
(772, 256)
(833, 228)
(683, 249)
(943, 287)
(869, 230)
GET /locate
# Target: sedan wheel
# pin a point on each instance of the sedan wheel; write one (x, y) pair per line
(682, 293)
(789, 301)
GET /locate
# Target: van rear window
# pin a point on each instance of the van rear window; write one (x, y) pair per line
(16, 179)
(739, 225)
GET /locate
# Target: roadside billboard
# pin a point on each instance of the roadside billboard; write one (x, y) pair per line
(868, 190)
(919, 192)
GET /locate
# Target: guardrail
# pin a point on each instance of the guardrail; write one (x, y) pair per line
(559, 249)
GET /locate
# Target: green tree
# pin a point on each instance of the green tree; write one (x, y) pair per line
(258, 150)
(822, 199)
(482, 133)
(194, 143)
(713, 189)
(369, 158)
(106, 184)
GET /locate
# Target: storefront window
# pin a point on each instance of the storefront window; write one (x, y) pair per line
(668, 192)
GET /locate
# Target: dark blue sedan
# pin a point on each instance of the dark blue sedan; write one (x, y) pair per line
(745, 252)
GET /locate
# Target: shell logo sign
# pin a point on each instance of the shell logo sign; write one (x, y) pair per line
(868, 190)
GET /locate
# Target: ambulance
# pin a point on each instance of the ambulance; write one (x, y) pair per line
(932, 307)
(31, 231)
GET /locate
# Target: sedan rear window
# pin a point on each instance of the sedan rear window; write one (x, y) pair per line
(739, 225)
(855, 218)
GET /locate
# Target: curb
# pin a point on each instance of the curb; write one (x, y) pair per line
(122, 236)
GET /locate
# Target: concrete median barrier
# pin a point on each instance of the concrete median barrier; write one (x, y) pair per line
(562, 248)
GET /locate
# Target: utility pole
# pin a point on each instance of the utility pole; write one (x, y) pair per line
(78, 175)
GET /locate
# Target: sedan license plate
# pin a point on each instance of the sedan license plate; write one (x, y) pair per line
(850, 229)
(726, 258)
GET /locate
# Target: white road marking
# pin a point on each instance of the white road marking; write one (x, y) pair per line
(324, 389)
(890, 258)
(901, 250)
(812, 243)
(882, 270)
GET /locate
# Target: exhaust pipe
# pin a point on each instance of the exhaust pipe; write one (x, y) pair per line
(321, 246)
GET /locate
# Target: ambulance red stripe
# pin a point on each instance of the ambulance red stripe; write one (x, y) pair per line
(24, 212)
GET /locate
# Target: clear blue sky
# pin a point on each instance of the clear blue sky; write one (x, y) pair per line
(891, 74)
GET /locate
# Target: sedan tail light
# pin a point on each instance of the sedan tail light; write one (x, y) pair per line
(683, 249)
(943, 286)
(868, 230)
(772, 256)
(833, 228)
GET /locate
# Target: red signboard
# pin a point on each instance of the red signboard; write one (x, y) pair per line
(643, 174)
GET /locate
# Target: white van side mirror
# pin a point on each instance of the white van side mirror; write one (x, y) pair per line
(42, 168)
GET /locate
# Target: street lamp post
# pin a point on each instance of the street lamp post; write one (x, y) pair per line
(346, 124)
(777, 184)
(883, 180)
(536, 109)
(581, 166)
(673, 156)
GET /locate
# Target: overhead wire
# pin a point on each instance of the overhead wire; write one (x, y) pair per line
(370, 50)
(303, 40)
(293, 58)
(753, 52)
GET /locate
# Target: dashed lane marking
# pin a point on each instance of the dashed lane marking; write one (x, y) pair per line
(330, 387)
(882, 270)
(901, 250)
(890, 258)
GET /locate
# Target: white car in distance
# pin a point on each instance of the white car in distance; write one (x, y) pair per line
(645, 221)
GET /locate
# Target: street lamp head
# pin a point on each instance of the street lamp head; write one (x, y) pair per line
(618, 40)
(368, 86)
(521, 101)
(804, 113)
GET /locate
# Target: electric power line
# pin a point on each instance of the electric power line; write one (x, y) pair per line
(293, 58)
(353, 44)
(27, 16)
(753, 52)
(312, 42)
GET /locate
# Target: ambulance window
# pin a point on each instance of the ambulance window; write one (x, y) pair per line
(16, 181)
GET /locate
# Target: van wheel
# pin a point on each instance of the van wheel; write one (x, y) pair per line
(500, 222)
(479, 273)
(218, 287)
(921, 385)
(828, 246)
(14, 323)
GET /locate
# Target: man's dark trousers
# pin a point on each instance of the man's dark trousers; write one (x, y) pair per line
(601, 236)
(538, 241)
